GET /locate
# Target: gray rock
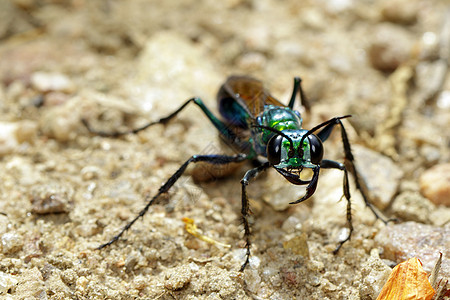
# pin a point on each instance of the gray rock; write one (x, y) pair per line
(403, 241)
(381, 175)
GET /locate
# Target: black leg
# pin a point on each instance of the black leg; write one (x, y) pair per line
(251, 174)
(212, 159)
(350, 161)
(298, 89)
(136, 130)
(330, 164)
(326, 131)
(223, 128)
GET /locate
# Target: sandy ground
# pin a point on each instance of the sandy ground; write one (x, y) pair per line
(121, 64)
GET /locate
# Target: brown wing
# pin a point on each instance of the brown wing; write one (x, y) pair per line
(250, 93)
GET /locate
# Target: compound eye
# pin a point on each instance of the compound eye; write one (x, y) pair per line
(274, 149)
(316, 149)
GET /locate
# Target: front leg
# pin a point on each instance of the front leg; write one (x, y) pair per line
(330, 164)
(211, 159)
(251, 174)
(350, 162)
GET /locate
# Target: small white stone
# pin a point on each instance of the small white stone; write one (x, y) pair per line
(253, 280)
(337, 6)
(11, 242)
(194, 267)
(443, 101)
(46, 82)
(254, 262)
(343, 233)
(90, 172)
(12, 134)
(290, 225)
(7, 281)
(239, 255)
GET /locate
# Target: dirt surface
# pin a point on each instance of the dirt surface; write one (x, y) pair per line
(120, 64)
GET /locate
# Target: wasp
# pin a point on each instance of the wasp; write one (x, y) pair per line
(263, 130)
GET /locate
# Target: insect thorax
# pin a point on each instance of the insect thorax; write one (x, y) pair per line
(276, 117)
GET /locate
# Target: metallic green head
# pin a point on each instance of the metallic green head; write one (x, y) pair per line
(294, 150)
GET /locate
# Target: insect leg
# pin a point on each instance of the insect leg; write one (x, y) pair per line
(350, 162)
(330, 164)
(251, 174)
(326, 131)
(212, 159)
(298, 89)
(223, 129)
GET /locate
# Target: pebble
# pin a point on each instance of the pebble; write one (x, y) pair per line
(31, 285)
(11, 242)
(254, 262)
(298, 245)
(87, 229)
(403, 241)
(291, 224)
(26, 131)
(313, 18)
(7, 281)
(90, 173)
(81, 284)
(441, 216)
(12, 134)
(8, 142)
(339, 6)
(391, 46)
(272, 275)
(51, 199)
(374, 272)
(140, 282)
(69, 277)
(443, 100)
(412, 206)
(429, 46)
(23, 170)
(46, 82)
(400, 11)
(435, 184)
(429, 76)
(253, 280)
(62, 122)
(381, 175)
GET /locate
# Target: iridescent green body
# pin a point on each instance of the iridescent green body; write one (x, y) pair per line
(265, 111)
(278, 118)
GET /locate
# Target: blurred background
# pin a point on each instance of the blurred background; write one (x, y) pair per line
(119, 64)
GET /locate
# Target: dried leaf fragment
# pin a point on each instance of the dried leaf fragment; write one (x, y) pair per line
(192, 229)
(408, 281)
